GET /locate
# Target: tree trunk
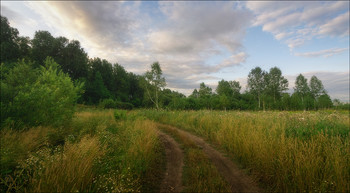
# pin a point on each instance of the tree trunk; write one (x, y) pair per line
(157, 105)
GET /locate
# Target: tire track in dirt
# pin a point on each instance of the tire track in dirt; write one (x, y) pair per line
(172, 181)
(238, 181)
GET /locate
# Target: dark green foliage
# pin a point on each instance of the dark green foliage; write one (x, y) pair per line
(8, 42)
(301, 129)
(42, 46)
(107, 104)
(112, 104)
(96, 90)
(324, 101)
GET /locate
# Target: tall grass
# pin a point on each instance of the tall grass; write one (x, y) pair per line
(94, 153)
(289, 152)
(67, 171)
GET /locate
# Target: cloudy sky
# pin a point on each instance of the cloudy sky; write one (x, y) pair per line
(203, 41)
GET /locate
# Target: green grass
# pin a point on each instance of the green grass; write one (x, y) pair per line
(286, 151)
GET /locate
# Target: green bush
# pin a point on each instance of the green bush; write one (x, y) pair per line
(31, 97)
(108, 104)
(119, 114)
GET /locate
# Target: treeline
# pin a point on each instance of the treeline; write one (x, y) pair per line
(265, 91)
(111, 86)
(102, 79)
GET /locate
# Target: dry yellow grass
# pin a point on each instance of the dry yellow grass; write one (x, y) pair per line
(93, 153)
(69, 171)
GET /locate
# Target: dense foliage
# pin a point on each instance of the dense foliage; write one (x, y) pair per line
(111, 86)
(31, 97)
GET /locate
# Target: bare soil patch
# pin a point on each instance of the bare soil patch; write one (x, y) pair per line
(172, 181)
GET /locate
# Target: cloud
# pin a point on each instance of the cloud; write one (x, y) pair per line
(298, 22)
(338, 26)
(193, 33)
(101, 27)
(16, 18)
(324, 53)
(182, 36)
(193, 26)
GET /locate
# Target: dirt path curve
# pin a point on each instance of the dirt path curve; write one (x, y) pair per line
(238, 181)
(172, 181)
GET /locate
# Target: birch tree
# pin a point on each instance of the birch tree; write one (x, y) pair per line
(155, 83)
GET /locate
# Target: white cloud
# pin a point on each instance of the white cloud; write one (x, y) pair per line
(338, 26)
(298, 22)
(181, 37)
(324, 53)
(195, 27)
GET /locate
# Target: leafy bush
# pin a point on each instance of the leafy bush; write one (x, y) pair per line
(32, 97)
(120, 114)
(108, 104)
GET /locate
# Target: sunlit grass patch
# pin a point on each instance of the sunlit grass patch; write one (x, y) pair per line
(94, 153)
(286, 151)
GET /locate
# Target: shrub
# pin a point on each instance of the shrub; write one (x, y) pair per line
(108, 104)
(119, 114)
(31, 97)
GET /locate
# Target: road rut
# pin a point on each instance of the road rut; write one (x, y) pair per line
(172, 181)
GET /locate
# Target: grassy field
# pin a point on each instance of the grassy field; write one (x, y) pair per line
(286, 151)
(103, 151)
(94, 153)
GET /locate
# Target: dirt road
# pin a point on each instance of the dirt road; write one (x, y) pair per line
(172, 181)
(239, 182)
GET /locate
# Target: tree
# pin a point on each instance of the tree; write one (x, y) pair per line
(8, 45)
(301, 87)
(224, 102)
(135, 90)
(276, 83)
(224, 88)
(236, 87)
(316, 87)
(75, 59)
(204, 91)
(257, 83)
(121, 82)
(42, 46)
(195, 94)
(97, 91)
(154, 83)
(24, 47)
(324, 101)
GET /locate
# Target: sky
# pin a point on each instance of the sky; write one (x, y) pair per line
(206, 41)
